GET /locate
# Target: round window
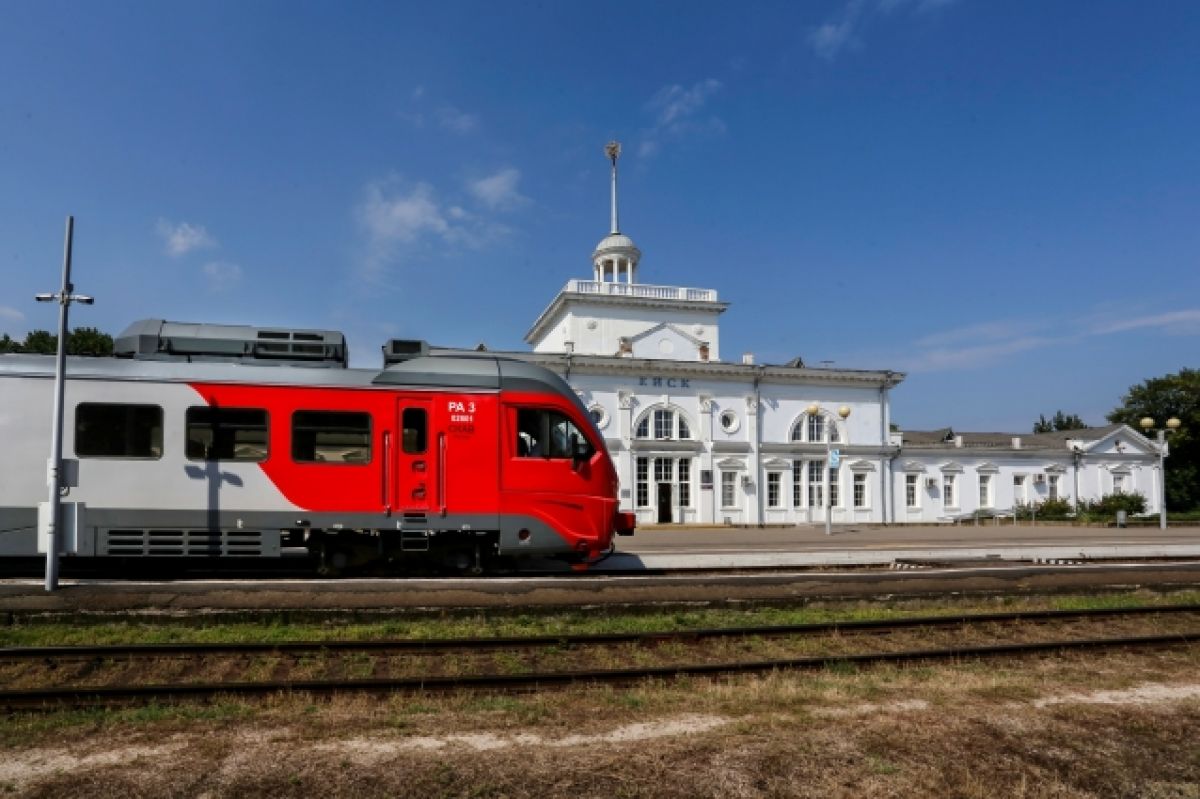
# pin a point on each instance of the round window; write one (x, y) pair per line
(599, 416)
(729, 421)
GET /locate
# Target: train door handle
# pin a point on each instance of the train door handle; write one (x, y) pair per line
(387, 461)
(441, 472)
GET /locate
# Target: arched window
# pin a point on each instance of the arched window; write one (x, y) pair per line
(663, 423)
(816, 428)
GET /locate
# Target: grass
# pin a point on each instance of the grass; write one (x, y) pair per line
(279, 628)
(966, 729)
(830, 733)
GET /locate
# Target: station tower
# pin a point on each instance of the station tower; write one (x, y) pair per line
(614, 315)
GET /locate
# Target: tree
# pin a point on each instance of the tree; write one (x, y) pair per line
(1161, 398)
(40, 342)
(80, 341)
(1061, 421)
(89, 341)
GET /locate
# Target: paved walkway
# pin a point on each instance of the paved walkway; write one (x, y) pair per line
(754, 547)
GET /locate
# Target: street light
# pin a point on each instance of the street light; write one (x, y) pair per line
(844, 412)
(1147, 424)
(64, 298)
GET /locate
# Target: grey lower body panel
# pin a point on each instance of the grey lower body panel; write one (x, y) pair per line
(18, 532)
(143, 532)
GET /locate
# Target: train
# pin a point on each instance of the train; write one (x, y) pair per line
(231, 441)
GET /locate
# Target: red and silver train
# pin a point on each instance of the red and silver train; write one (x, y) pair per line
(219, 440)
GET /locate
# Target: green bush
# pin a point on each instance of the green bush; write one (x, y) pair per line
(1109, 504)
(1048, 509)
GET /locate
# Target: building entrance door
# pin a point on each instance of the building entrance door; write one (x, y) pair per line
(664, 503)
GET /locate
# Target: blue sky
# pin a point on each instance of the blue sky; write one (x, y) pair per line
(1000, 199)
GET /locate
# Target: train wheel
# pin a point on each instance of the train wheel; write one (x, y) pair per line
(333, 561)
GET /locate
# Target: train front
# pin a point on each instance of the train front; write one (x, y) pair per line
(559, 485)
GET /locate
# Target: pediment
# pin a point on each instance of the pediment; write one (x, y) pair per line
(951, 467)
(987, 468)
(730, 464)
(1122, 441)
(862, 466)
(912, 466)
(776, 464)
(665, 341)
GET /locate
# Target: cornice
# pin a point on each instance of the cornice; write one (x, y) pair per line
(567, 298)
(713, 370)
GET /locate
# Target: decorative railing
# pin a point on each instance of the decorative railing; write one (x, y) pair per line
(641, 290)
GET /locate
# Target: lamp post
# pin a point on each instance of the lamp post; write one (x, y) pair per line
(844, 412)
(1147, 424)
(64, 299)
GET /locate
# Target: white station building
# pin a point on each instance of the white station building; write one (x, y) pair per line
(700, 440)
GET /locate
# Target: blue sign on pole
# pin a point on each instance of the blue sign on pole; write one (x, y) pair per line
(835, 457)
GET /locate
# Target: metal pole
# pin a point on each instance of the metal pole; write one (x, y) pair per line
(55, 465)
(1162, 480)
(828, 504)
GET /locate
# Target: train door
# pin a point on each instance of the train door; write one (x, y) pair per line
(418, 476)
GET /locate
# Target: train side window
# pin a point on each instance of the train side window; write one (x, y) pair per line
(226, 434)
(331, 437)
(106, 430)
(531, 434)
(415, 424)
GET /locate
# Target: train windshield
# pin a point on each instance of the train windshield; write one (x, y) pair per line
(543, 433)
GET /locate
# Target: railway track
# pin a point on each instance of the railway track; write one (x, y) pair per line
(991, 625)
(448, 645)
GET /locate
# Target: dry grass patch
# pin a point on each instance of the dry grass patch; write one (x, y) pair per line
(1038, 727)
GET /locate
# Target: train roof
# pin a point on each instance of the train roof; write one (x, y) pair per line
(465, 370)
(159, 350)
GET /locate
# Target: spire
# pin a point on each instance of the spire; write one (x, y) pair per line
(616, 257)
(613, 151)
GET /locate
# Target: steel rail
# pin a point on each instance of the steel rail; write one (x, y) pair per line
(446, 645)
(533, 681)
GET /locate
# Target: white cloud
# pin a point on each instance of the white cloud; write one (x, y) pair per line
(184, 237)
(399, 218)
(455, 120)
(999, 330)
(674, 102)
(941, 359)
(11, 314)
(677, 114)
(840, 33)
(1177, 322)
(498, 191)
(445, 116)
(918, 6)
(393, 213)
(985, 343)
(222, 275)
(832, 37)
